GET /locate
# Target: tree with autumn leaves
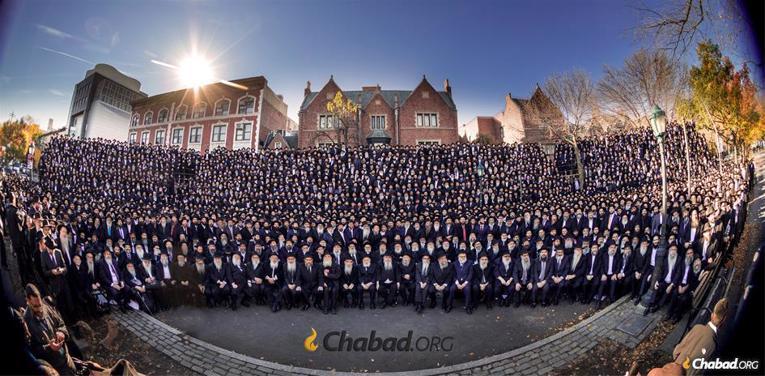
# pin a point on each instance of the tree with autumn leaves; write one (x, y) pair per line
(16, 136)
(345, 120)
(724, 100)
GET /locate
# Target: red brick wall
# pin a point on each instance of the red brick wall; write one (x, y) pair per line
(446, 132)
(378, 106)
(447, 129)
(309, 117)
(273, 119)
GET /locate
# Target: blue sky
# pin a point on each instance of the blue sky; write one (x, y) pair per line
(485, 48)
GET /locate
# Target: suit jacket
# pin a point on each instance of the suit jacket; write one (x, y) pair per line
(505, 273)
(443, 276)
(391, 274)
(540, 275)
(236, 275)
(427, 277)
(560, 269)
(277, 272)
(48, 264)
(700, 337)
(518, 272)
(463, 273)
(485, 275)
(312, 279)
(593, 265)
(353, 278)
(616, 264)
(367, 274)
(104, 275)
(291, 278)
(579, 269)
(213, 275)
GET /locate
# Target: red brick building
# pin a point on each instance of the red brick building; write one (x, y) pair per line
(519, 121)
(400, 117)
(226, 115)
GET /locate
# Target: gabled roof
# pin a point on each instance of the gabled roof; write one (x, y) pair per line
(363, 98)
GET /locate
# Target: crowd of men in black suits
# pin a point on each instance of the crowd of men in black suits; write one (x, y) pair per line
(156, 227)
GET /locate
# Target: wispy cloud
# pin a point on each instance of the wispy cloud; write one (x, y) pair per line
(115, 39)
(25, 91)
(57, 93)
(55, 32)
(62, 53)
(150, 54)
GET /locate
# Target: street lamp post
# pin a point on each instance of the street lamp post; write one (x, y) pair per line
(659, 127)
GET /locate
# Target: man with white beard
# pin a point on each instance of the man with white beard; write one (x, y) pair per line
(387, 278)
(482, 284)
(504, 278)
(217, 287)
(463, 276)
(111, 280)
(291, 282)
(524, 278)
(273, 273)
(406, 276)
(349, 283)
(197, 280)
(367, 282)
(667, 282)
(255, 287)
(136, 290)
(330, 276)
(687, 280)
(237, 277)
(423, 283)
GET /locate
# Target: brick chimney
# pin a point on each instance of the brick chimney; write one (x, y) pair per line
(447, 88)
(307, 88)
(372, 89)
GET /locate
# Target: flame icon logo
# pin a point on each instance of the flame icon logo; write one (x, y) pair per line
(687, 363)
(309, 343)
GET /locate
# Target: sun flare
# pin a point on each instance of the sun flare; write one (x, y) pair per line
(195, 71)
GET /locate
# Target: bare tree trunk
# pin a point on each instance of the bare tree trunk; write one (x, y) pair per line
(579, 165)
(718, 147)
(687, 157)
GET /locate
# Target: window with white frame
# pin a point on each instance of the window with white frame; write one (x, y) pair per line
(324, 144)
(145, 138)
(243, 132)
(428, 142)
(159, 137)
(195, 135)
(427, 120)
(200, 111)
(131, 138)
(218, 133)
(177, 137)
(147, 118)
(180, 112)
(134, 120)
(221, 108)
(246, 105)
(326, 121)
(277, 145)
(377, 122)
(162, 116)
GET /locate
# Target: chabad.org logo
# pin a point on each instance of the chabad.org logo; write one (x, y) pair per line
(339, 341)
(701, 363)
(309, 343)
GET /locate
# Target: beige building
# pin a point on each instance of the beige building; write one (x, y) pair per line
(519, 121)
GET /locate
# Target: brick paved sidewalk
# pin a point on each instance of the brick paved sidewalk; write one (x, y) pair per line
(619, 322)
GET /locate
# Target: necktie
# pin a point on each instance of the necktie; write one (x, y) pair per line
(53, 259)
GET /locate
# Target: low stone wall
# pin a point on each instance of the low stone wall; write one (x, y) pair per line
(619, 322)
